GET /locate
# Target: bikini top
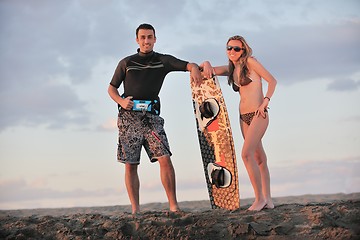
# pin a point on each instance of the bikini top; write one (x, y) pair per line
(243, 82)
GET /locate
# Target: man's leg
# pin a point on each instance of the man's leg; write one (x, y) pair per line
(133, 186)
(167, 174)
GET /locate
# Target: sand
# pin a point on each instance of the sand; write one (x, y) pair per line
(335, 216)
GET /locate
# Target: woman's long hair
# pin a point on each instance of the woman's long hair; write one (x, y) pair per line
(244, 70)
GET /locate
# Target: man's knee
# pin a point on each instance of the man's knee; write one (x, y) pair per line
(130, 168)
(165, 161)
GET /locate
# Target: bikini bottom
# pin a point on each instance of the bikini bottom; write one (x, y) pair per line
(248, 117)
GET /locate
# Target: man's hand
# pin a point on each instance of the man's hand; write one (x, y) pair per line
(195, 73)
(127, 103)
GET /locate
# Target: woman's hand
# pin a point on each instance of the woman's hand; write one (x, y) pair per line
(262, 110)
(208, 70)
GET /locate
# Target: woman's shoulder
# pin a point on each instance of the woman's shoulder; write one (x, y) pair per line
(252, 60)
(254, 64)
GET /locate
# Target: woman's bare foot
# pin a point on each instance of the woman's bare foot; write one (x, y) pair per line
(257, 206)
(269, 204)
(272, 206)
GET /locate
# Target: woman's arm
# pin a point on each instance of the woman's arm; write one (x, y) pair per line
(265, 74)
(208, 70)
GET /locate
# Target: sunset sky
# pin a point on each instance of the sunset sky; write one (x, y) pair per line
(58, 134)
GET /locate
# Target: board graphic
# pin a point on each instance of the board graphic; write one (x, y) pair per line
(216, 144)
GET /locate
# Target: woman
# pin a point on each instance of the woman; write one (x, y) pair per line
(244, 74)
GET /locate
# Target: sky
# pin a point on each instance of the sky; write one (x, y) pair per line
(58, 134)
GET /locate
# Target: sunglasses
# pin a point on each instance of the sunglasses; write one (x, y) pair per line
(236, 48)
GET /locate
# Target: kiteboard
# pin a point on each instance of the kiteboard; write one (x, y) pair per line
(216, 144)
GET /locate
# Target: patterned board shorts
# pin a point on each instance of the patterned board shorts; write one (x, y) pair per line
(134, 132)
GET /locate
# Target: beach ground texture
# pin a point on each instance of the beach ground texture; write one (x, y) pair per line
(335, 216)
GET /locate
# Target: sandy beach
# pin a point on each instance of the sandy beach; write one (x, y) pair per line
(335, 216)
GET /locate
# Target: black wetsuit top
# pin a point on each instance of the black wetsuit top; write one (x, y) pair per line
(144, 74)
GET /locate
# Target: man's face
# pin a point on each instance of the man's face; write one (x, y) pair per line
(146, 40)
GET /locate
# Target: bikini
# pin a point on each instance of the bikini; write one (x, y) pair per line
(246, 117)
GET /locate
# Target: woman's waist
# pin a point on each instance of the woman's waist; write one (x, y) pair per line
(249, 106)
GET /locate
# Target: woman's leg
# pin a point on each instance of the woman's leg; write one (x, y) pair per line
(252, 138)
(261, 160)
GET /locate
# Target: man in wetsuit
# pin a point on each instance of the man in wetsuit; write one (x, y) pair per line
(142, 75)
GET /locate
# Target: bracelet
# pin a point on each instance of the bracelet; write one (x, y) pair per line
(267, 98)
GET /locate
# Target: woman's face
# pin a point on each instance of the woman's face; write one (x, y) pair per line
(234, 49)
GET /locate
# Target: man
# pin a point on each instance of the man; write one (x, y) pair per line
(140, 125)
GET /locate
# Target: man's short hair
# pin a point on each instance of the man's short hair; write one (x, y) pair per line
(145, 26)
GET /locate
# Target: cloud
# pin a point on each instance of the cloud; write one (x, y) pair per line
(316, 177)
(55, 105)
(44, 55)
(301, 53)
(48, 50)
(344, 85)
(292, 53)
(20, 190)
(354, 118)
(19, 194)
(109, 125)
(297, 178)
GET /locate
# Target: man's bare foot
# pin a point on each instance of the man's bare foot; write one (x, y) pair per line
(135, 211)
(174, 210)
(136, 215)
